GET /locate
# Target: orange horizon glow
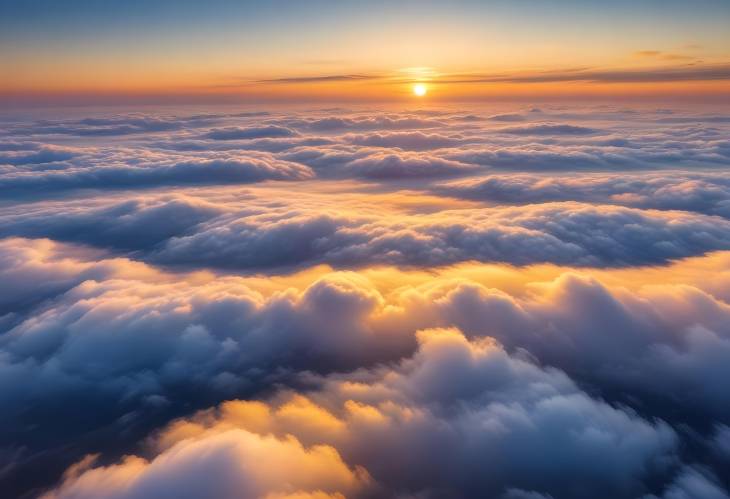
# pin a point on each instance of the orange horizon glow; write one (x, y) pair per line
(644, 73)
(345, 53)
(379, 92)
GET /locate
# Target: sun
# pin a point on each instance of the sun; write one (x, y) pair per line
(419, 89)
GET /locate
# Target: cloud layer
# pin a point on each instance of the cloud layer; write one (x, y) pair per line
(328, 303)
(265, 231)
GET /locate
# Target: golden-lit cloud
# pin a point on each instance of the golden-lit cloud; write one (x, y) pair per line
(366, 301)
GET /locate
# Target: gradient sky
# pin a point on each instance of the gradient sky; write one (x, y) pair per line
(362, 50)
(242, 258)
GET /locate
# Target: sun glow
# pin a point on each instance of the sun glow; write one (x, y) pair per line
(419, 89)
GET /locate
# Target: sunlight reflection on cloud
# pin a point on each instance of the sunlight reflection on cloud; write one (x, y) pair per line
(509, 303)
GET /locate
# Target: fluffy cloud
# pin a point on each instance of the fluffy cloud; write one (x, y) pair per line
(265, 144)
(236, 133)
(415, 141)
(403, 166)
(507, 117)
(422, 366)
(459, 144)
(281, 234)
(228, 465)
(559, 233)
(692, 482)
(132, 225)
(331, 124)
(112, 126)
(35, 271)
(700, 192)
(548, 129)
(104, 171)
(457, 412)
(34, 154)
(135, 345)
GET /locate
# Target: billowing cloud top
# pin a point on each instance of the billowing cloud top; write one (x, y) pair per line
(507, 302)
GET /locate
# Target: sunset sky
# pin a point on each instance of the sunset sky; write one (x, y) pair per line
(364, 249)
(334, 50)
